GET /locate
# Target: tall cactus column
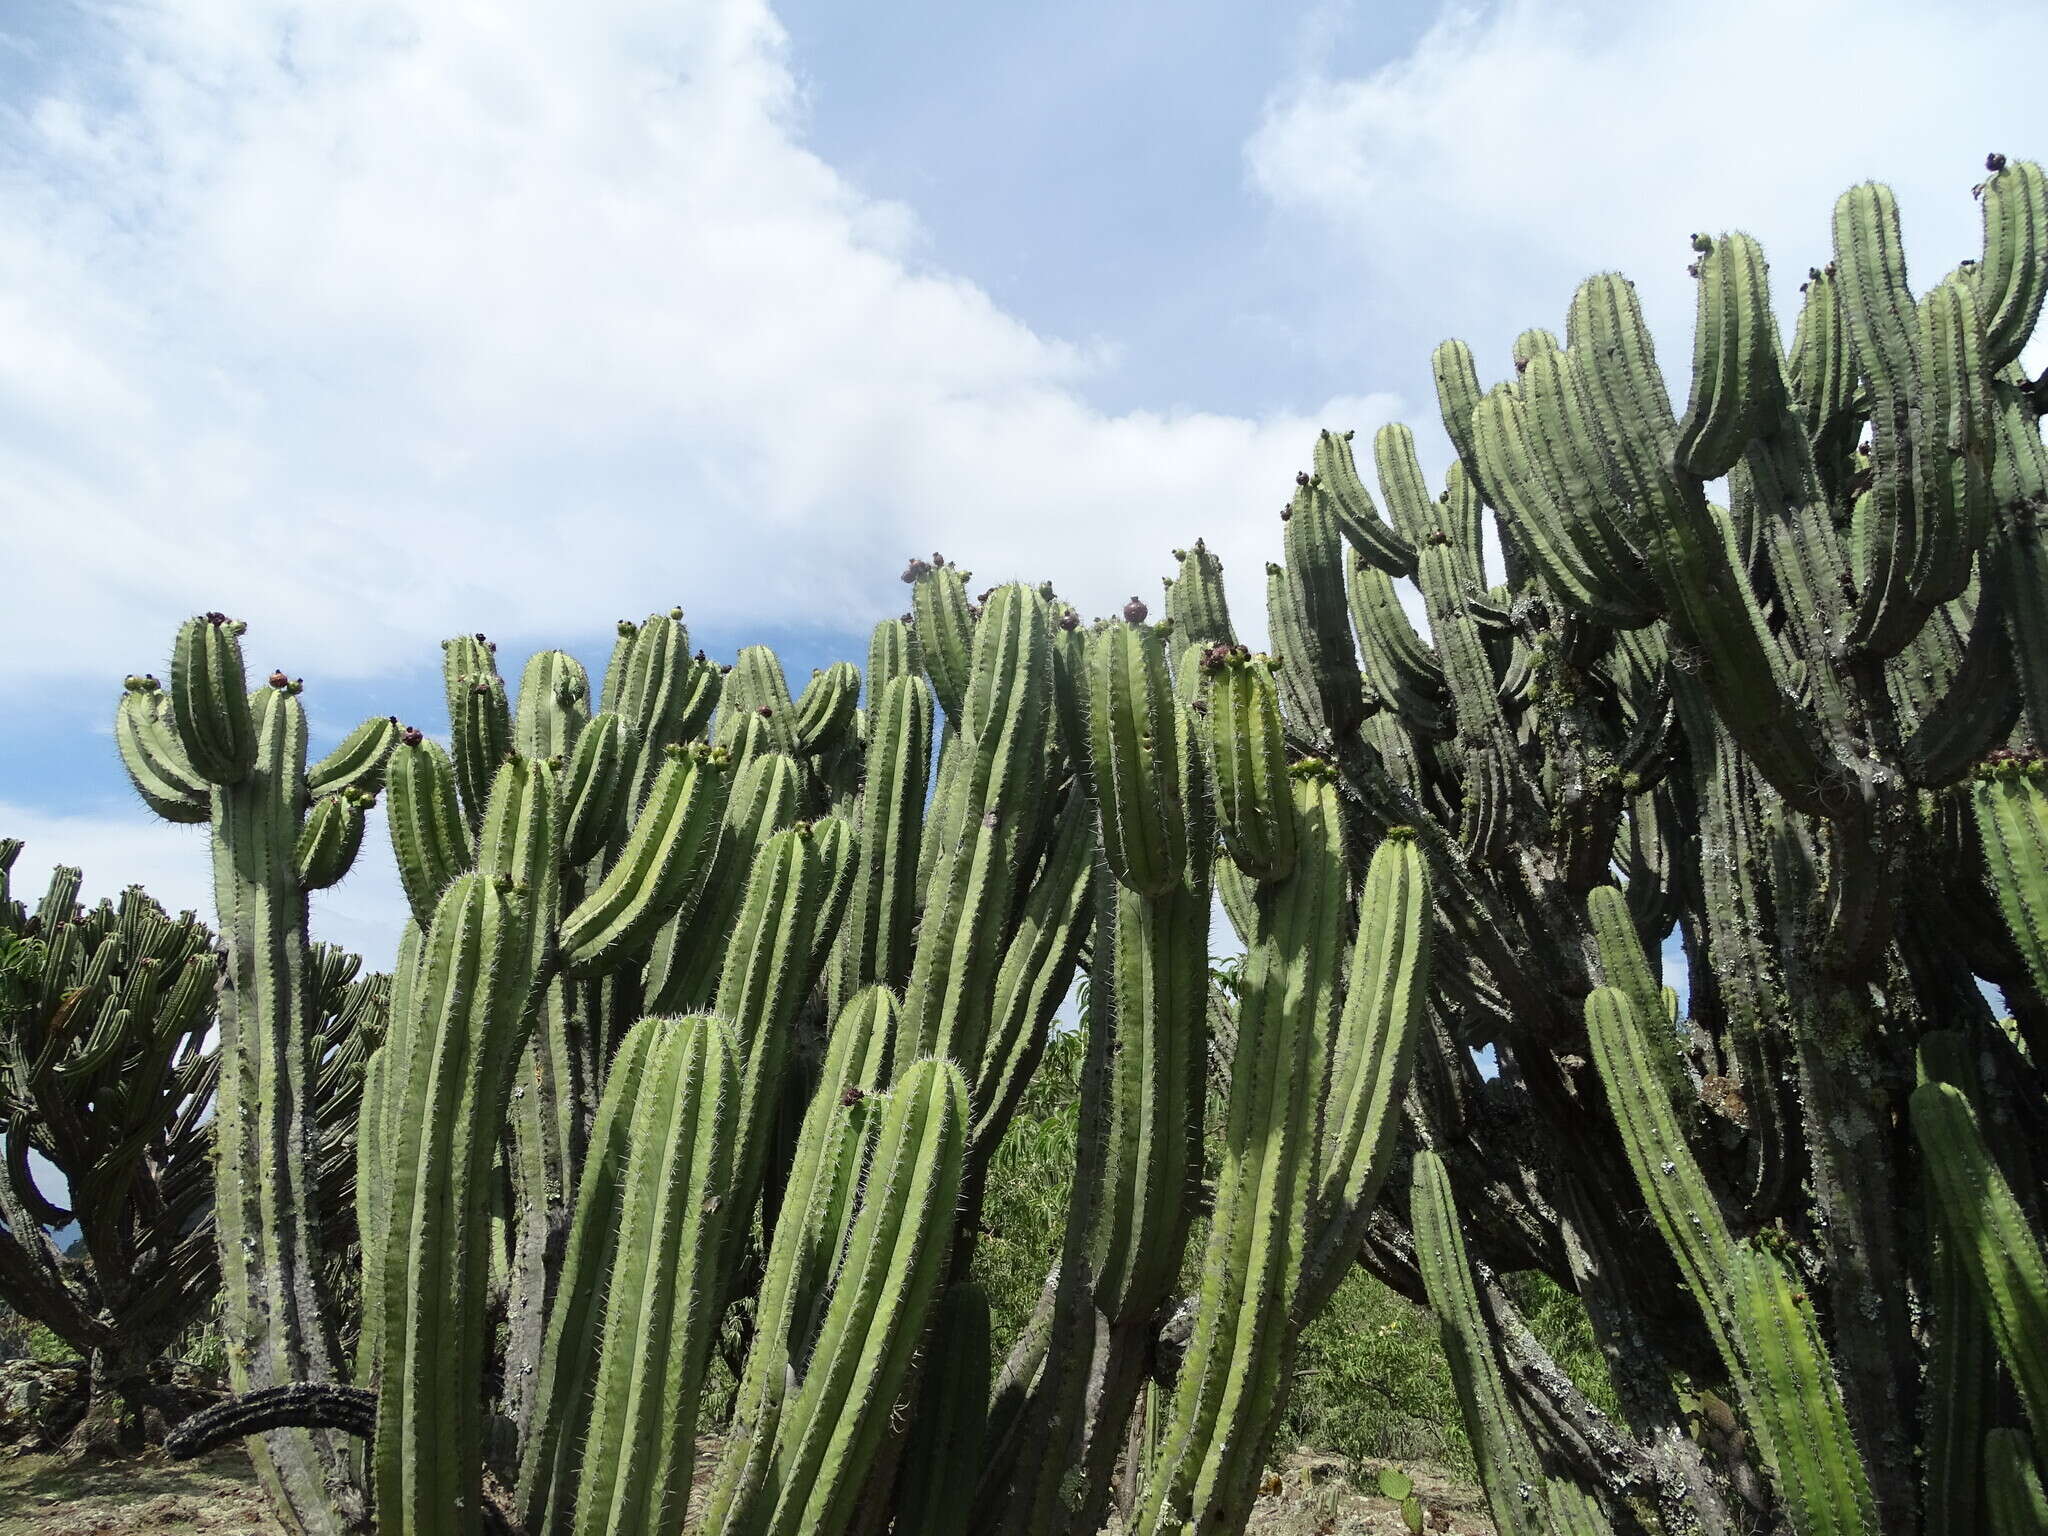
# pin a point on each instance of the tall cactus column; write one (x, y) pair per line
(218, 753)
(1207, 1472)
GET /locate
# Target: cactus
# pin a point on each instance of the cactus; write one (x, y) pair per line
(831, 1429)
(108, 1072)
(249, 750)
(1744, 729)
(2000, 1252)
(1516, 1491)
(2013, 1494)
(1305, 1149)
(662, 1310)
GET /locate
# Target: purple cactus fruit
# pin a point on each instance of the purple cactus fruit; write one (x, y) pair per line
(1135, 611)
(279, 680)
(1994, 162)
(412, 736)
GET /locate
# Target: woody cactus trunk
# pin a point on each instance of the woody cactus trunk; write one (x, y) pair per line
(717, 1001)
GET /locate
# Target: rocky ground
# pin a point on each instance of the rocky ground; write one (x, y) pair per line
(41, 1495)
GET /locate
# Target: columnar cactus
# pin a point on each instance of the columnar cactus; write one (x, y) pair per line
(238, 760)
(1748, 730)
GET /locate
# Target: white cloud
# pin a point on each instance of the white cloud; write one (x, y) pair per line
(1520, 146)
(368, 323)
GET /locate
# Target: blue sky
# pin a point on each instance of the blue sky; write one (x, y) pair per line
(377, 322)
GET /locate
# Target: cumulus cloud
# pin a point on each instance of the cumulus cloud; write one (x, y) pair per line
(367, 322)
(1518, 147)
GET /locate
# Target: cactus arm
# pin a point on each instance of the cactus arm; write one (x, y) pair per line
(1962, 1360)
(2012, 275)
(154, 757)
(553, 708)
(1883, 323)
(665, 853)
(1132, 716)
(877, 944)
(445, 1100)
(808, 1235)
(1530, 518)
(688, 959)
(1246, 755)
(2002, 1254)
(1794, 1404)
(939, 1467)
(1457, 396)
(1686, 551)
(1516, 1489)
(831, 1432)
(332, 837)
(1037, 972)
(593, 787)
(1005, 713)
(2017, 557)
(2012, 824)
(662, 1311)
(1978, 707)
(1357, 518)
(757, 686)
(653, 683)
(1397, 663)
(479, 719)
(210, 708)
(770, 963)
(429, 837)
(1195, 603)
(1577, 504)
(1952, 449)
(824, 713)
(1371, 1056)
(945, 635)
(2013, 1495)
(1308, 606)
(548, 1474)
(1737, 384)
(1670, 1178)
(892, 653)
(1207, 1469)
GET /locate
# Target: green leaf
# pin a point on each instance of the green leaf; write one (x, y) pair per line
(1411, 1511)
(1395, 1484)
